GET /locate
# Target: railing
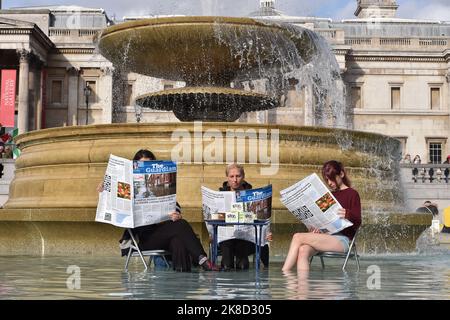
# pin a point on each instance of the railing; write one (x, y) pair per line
(87, 33)
(427, 173)
(59, 32)
(77, 33)
(332, 35)
(359, 41)
(395, 42)
(328, 34)
(433, 42)
(422, 43)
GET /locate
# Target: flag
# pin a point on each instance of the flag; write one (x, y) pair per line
(8, 97)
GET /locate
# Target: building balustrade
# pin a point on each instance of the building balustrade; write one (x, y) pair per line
(395, 42)
(433, 42)
(426, 173)
(332, 35)
(399, 42)
(77, 33)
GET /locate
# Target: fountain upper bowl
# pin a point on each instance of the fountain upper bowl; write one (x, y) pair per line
(201, 50)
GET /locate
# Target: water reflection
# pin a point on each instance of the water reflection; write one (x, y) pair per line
(319, 285)
(401, 277)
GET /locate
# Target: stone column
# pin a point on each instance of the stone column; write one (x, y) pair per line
(106, 94)
(72, 101)
(31, 95)
(22, 124)
(39, 94)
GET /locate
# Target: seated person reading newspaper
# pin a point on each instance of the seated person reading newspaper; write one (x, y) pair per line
(235, 251)
(309, 202)
(173, 234)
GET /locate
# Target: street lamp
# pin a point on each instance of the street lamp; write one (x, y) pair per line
(87, 93)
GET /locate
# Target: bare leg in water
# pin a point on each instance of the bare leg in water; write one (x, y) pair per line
(304, 245)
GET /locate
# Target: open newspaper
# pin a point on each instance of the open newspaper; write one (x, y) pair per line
(258, 202)
(137, 193)
(311, 202)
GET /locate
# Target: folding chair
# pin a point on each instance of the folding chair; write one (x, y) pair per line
(351, 253)
(135, 251)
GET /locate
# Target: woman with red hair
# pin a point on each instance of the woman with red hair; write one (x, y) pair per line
(305, 245)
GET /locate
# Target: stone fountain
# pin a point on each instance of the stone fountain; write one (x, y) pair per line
(209, 54)
(52, 201)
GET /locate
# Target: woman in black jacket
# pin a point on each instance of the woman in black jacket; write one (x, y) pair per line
(174, 235)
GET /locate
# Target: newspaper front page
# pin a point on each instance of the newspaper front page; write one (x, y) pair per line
(137, 193)
(155, 191)
(115, 204)
(222, 202)
(310, 201)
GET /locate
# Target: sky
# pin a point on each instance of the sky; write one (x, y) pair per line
(335, 9)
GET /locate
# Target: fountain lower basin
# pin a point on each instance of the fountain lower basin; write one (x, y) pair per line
(51, 209)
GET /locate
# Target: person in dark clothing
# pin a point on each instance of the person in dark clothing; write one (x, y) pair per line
(175, 235)
(428, 207)
(446, 171)
(237, 248)
(305, 245)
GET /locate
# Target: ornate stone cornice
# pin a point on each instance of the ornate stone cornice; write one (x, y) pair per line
(107, 71)
(73, 71)
(34, 31)
(24, 55)
(15, 31)
(30, 57)
(73, 50)
(447, 55)
(395, 59)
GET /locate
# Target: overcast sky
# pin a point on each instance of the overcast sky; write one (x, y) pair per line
(336, 9)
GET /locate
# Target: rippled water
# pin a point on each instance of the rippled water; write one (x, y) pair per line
(401, 277)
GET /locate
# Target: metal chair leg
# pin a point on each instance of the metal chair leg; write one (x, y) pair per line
(311, 259)
(165, 260)
(346, 260)
(357, 259)
(128, 259)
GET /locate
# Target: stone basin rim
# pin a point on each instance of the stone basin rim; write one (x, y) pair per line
(164, 127)
(184, 20)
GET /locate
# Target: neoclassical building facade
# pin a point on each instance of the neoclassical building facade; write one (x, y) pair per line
(396, 73)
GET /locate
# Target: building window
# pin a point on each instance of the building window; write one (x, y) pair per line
(435, 151)
(356, 97)
(435, 94)
(436, 148)
(128, 95)
(56, 91)
(395, 97)
(93, 85)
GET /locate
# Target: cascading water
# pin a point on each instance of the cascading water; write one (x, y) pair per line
(298, 55)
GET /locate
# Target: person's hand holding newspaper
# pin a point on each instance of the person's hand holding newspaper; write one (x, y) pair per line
(341, 213)
(174, 216)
